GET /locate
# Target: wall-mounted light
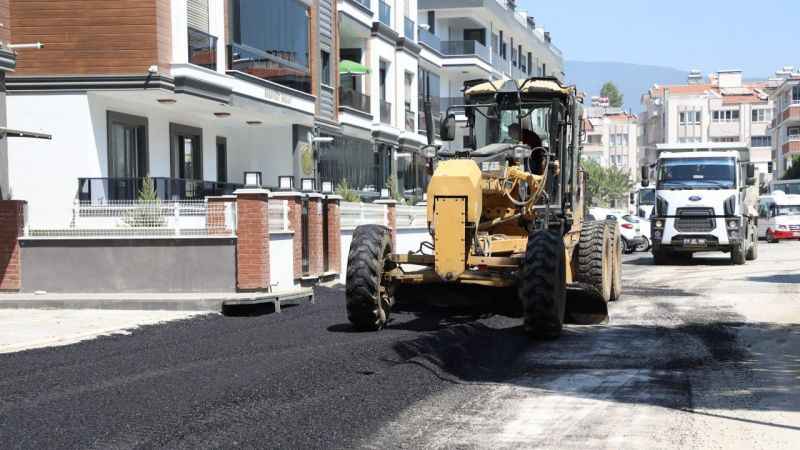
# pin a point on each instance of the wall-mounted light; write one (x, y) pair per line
(31, 46)
(286, 182)
(252, 179)
(167, 101)
(222, 114)
(327, 187)
(322, 140)
(307, 184)
(254, 122)
(384, 193)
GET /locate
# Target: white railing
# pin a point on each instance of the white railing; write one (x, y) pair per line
(412, 217)
(355, 214)
(145, 219)
(279, 216)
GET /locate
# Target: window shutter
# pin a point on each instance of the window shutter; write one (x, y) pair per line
(197, 14)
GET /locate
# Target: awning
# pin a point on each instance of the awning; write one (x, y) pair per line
(6, 132)
(347, 67)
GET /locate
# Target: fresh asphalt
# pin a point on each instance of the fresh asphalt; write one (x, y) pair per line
(433, 378)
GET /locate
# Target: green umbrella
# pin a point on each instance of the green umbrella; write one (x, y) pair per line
(347, 67)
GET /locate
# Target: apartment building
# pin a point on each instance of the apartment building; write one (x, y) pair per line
(611, 138)
(722, 112)
(786, 120)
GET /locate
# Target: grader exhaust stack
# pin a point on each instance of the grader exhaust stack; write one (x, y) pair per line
(507, 211)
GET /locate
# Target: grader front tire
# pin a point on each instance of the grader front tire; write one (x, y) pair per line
(616, 265)
(368, 300)
(543, 285)
(595, 265)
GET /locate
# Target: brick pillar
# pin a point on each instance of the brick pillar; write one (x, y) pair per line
(252, 240)
(316, 258)
(218, 215)
(391, 218)
(12, 223)
(334, 237)
(296, 223)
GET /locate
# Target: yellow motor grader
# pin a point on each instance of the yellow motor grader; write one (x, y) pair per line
(505, 209)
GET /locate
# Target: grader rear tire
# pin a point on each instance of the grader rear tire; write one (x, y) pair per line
(368, 301)
(595, 265)
(543, 285)
(616, 265)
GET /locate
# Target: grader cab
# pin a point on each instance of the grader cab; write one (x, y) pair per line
(504, 210)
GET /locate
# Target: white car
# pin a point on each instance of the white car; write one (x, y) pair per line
(630, 228)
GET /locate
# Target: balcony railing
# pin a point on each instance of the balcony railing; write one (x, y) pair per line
(459, 48)
(364, 3)
(261, 64)
(202, 49)
(355, 100)
(408, 31)
(100, 190)
(410, 120)
(385, 13)
(429, 39)
(386, 112)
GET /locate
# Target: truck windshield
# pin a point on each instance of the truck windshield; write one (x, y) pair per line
(787, 210)
(697, 173)
(492, 127)
(647, 197)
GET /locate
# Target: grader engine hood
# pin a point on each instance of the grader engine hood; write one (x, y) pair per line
(455, 199)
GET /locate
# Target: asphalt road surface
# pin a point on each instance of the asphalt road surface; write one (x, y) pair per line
(701, 355)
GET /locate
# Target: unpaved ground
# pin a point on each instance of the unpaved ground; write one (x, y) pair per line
(700, 355)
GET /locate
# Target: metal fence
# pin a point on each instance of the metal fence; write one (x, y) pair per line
(151, 219)
(279, 216)
(412, 216)
(355, 214)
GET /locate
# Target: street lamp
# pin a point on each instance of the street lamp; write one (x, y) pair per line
(252, 179)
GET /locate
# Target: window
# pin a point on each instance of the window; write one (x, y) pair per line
(689, 117)
(793, 132)
(725, 139)
(271, 41)
(475, 34)
(761, 141)
(409, 82)
(127, 146)
(796, 94)
(730, 115)
(222, 160)
(619, 139)
(762, 115)
(325, 59)
(186, 152)
(689, 140)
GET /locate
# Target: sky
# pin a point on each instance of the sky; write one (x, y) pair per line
(757, 37)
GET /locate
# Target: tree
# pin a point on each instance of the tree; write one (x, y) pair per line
(605, 186)
(793, 173)
(615, 98)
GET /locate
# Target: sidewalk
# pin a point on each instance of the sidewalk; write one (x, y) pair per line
(155, 301)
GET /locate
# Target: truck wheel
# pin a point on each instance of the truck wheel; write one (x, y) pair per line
(595, 267)
(368, 299)
(738, 254)
(543, 285)
(616, 266)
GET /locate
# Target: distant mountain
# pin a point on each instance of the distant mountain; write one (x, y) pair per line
(633, 80)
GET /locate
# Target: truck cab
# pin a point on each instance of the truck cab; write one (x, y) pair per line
(704, 202)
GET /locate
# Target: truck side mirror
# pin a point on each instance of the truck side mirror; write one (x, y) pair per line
(633, 198)
(645, 176)
(751, 170)
(448, 128)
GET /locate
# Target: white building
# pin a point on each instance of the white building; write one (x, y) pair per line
(611, 139)
(723, 110)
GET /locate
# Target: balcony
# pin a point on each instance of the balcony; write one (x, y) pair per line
(410, 120)
(385, 13)
(386, 112)
(100, 190)
(202, 49)
(465, 48)
(267, 66)
(408, 30)
(365, 3)
(355, 100)
(429, 39)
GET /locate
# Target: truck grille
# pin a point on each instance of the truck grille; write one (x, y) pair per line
(695, 220)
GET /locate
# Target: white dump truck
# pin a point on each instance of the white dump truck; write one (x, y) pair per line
(704, 201)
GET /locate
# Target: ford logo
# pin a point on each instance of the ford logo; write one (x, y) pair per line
(695, 198)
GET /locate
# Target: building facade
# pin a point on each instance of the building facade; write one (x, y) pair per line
(195, 93)
(786, 120)
(722, 112)
(611, 138)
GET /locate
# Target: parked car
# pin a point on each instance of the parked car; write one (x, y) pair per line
(644, 225)
(630, 229)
